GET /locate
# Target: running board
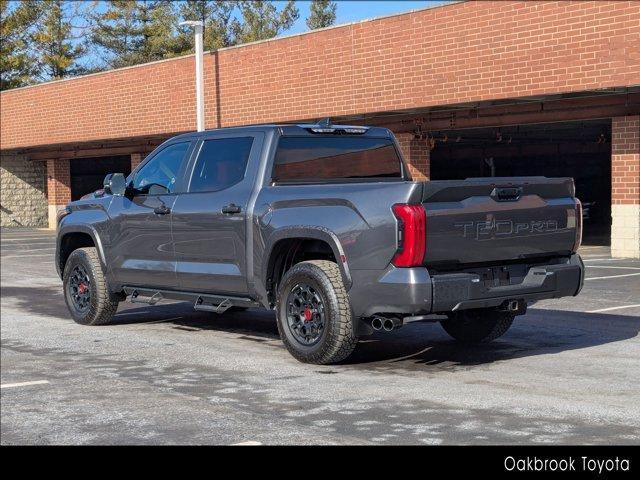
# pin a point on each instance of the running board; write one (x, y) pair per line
(209, 307)
(204, 302)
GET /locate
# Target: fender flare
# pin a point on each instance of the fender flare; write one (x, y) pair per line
(309, 232)
(79, 228)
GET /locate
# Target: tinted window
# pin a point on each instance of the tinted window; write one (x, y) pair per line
(159, 175)
(331, 158)
(221, 163)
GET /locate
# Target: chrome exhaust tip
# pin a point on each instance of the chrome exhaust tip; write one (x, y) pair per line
(388, 325)
(376, 323)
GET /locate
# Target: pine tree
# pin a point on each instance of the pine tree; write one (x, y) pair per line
(216, 17)
(116, 31)
(57, 55)
(323, 14)
(133, 32)
(17, 25)
(262, 20)
(158, 22)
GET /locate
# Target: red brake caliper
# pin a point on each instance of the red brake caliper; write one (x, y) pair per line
(82, 288)
(307, 314)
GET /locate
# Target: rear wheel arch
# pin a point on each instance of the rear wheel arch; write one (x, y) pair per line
(290, 246)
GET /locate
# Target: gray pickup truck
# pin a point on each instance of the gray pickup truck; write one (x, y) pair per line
(324, 224)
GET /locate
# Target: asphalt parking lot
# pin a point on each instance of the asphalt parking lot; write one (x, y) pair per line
(567, 372)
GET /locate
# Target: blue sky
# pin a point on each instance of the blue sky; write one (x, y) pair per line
(354, 10)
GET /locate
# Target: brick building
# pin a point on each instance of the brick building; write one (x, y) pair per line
(471, 89)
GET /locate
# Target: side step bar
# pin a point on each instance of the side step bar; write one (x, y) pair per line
(201, 301)
(209, 307)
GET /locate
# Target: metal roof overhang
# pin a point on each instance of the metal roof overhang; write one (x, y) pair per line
(586, 105)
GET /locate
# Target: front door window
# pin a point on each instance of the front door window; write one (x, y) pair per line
(160, 174)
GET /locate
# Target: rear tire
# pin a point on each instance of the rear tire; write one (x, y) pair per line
(85, 289)
(477, 326)
(314, 315)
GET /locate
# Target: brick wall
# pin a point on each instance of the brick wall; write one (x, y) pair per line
(23, 195)
(58, 186)
(463, 52)
(136, 159)
(625, 160)
(625, 183)
(416, 153)
(58, 182)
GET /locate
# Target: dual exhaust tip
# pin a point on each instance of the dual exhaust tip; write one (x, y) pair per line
(518, 307)
(389, 324)
(513, 306)
(386, 324)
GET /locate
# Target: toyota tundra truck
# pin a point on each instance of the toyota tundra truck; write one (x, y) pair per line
(323, 224)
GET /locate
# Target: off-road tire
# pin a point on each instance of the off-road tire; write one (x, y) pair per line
(338, 338)
(102, 305)
(477, 326)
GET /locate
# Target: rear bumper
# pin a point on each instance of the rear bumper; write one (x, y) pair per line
(461, 291)
(413, 291)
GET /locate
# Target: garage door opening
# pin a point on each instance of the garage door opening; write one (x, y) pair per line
(581, 150)
(87, 174)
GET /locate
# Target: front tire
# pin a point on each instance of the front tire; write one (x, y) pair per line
(477, 326)
(85, 289)
(314, 315)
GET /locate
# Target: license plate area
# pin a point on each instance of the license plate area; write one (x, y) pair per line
(500, 276)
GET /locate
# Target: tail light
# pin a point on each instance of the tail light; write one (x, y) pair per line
(412, 235)
(578, 240)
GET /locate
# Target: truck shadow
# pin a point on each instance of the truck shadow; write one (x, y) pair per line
(539, 332)
(415, 346)
(180, 315)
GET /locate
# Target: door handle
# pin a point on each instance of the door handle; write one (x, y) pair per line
(231, 209)
(162, 210)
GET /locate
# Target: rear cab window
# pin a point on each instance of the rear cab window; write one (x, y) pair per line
(336, 158)
(221, 163)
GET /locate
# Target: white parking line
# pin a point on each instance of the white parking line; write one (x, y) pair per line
(602, 259)
(23, 384)
(39, 238)
(28, 256)
(249, 442)
(34, 249)
(613, 308)
(614, 276)
(6, 238)
(27, 239)
(609, 267)
(15, 245)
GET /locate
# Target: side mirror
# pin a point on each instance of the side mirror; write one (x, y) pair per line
(114, 184)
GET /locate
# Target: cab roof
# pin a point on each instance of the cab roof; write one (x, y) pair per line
(288, 129)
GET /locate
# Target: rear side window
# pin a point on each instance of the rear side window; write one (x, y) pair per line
(335, 158)
(221, 163)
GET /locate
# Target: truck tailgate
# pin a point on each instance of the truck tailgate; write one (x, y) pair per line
(492, 220)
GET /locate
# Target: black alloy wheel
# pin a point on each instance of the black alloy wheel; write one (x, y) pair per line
(305, 314)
